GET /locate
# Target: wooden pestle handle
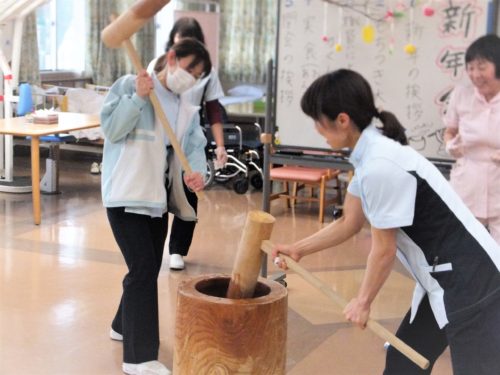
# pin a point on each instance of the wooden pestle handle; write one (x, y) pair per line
(422, 362)
(248, 261)
(131, 21)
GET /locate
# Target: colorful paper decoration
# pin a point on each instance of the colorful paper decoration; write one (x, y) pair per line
(410, 49)
(389, 17)
(428, 9)
(368, 33)
(338, 45)
(399, 10)
(325, 37)
(277, 140)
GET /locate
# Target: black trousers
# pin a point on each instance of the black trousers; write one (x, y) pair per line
(423, 335)
(141, 240)
(473, 335)
(181, 234)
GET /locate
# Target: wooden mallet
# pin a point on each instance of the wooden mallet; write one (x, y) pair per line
(267, 246)
(117, 34)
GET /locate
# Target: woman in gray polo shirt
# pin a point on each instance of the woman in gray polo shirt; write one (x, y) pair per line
(414, 214)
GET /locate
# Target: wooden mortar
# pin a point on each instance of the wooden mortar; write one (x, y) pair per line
(215, 335)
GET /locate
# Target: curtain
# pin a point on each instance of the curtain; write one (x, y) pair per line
(145, 41)
(105, 65)
(28, 65)
(248, 39)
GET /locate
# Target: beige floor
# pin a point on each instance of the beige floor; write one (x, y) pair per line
(60, 284)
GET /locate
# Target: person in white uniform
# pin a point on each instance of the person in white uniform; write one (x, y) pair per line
(143, 181)
(415, 215)
(206, 94)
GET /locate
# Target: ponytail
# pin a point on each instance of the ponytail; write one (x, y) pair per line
(392, 128)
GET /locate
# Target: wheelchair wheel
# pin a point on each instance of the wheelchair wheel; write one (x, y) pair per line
(210, 174)
(240, 185)
(256, 181)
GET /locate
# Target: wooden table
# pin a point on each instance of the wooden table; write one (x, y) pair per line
(19, 126)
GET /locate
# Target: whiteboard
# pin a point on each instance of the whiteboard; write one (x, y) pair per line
(415, 87)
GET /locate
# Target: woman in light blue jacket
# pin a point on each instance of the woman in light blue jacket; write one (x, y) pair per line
(143, 180)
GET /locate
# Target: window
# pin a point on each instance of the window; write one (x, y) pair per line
(164, 21)
(61, 29)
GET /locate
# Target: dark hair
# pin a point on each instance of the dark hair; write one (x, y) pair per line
(346, 91)
(184, 48)
(186, 27)
(486, 47)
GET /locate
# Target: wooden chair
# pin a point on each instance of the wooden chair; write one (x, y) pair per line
(301, 177)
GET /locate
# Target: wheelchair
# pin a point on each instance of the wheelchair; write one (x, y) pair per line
(244, 164)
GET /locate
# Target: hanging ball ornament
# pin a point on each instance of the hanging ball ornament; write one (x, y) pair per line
(325, 38)
(338, 47)
(428, 11)
(368, 33)
(410, 49)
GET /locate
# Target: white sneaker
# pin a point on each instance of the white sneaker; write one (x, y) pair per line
(145, 368)
(176, 262)
(115, 335)
(94, 168)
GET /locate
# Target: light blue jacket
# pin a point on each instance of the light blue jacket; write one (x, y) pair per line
(135, 155)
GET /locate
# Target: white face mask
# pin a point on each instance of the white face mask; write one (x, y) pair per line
(179, 80)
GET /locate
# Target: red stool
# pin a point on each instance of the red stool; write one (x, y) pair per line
(305, 176)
